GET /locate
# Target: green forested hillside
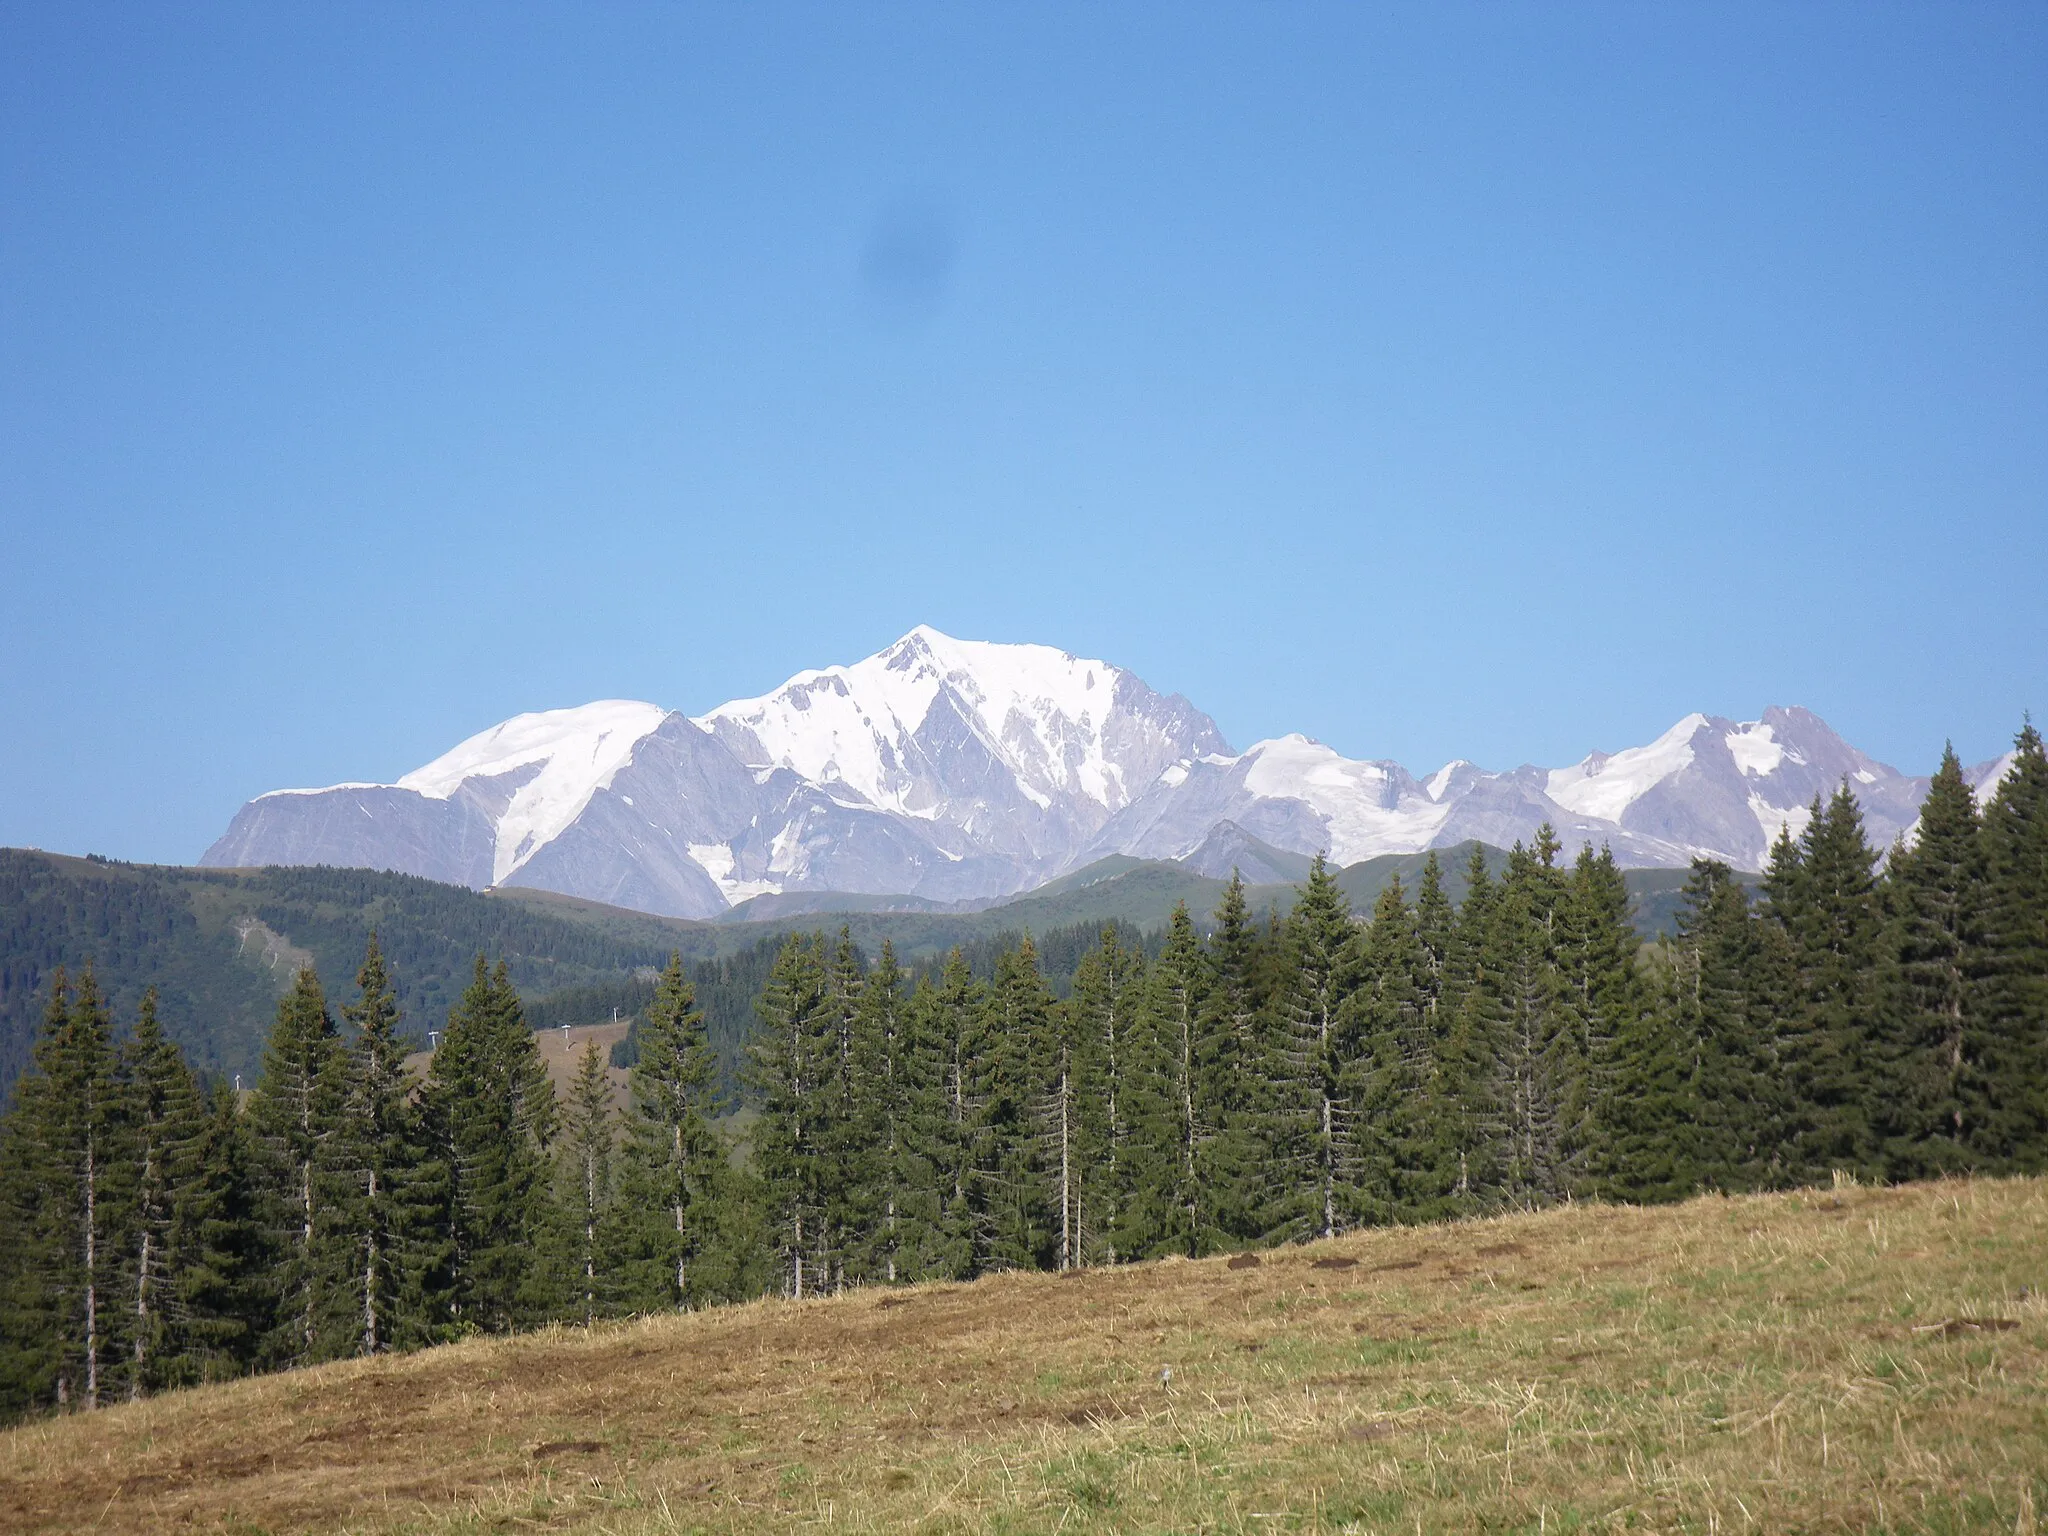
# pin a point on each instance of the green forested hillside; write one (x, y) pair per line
(220, 946)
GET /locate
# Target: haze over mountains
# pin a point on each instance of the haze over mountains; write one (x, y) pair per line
(965, 771)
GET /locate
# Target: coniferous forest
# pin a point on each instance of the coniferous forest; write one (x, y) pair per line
(1237, 1081)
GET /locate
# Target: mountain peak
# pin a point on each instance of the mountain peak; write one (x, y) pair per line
(942, 769)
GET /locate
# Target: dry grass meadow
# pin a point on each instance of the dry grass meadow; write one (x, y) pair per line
(1855, 1359)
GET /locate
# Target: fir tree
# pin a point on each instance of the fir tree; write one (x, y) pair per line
(791, 1065)
(1596, 949)
(1388, 1074)
(1101, 1028)
(1313, 1116)
(1235, 1061)
(1830, 913)
(218, 1236)
(492, 1111)
(584, 1175)
(1459, 1158)
(1171, 1123)
(1012, 1133)
(1537, 1057)
(386, 1259)
(69, 1203)
(294, 1117)
(1933, 890)
(672, 1177)
(165, 1121)
(2009, 972)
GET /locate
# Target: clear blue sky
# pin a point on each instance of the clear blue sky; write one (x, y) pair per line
(1501, 382)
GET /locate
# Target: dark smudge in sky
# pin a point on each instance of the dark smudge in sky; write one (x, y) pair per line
(907, 259)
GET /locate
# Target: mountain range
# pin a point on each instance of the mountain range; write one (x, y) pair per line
(959, 772)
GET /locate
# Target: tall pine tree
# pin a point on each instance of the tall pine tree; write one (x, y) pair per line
(386, 1260)
(492, 1112)
(672, 1175)
(294, 1117)
(2009, 971)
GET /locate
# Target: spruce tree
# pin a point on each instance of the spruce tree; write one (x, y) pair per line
(1101, 1030)
(944, 1022)
(1013, 1133)
(1537, 1058)
(1312, 1144)
(1724, 1014)
(219, 1237)
(1923, 1114)
(1170, 1121)
(851, 1127)
(2009, 971)
(1236, 1059)
(791, 1064)
(1835, 926)
(1649, 1110)
(165, 1120)
(673, 1164)
(69, 1207)
(294, 1118)
(894, 1079)
(1391, 1066)
(1596, 949)
(1459, 1173)
(492, 1112)
(385, 1255)
(584, 1179)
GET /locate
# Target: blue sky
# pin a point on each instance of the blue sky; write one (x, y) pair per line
(1500, 381)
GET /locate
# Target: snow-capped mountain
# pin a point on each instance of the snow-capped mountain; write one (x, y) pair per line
(938, 767)
(1707, 787)
(964, 770)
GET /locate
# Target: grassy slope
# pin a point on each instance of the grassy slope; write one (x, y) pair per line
(1848, 1360)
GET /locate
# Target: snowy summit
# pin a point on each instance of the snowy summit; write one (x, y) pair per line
(970, 770)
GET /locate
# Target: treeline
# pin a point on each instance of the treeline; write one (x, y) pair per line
(1266, 1081)
(1275, 1082)
(155, 1231)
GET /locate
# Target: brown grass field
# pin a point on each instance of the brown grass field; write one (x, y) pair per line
(1854, 1359)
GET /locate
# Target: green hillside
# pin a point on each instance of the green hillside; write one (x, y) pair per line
(221, 945)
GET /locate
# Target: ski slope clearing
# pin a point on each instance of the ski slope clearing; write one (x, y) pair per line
(1849, 1359)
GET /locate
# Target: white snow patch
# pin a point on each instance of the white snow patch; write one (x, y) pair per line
(1347, 794)
(272, 793)
(1865, 776)
(1755, 748)
(715, 859)
(578, 750)
(1771, 819)
(1607, 786)
(1986, 784)
(1176, 774)
(1442, 777)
